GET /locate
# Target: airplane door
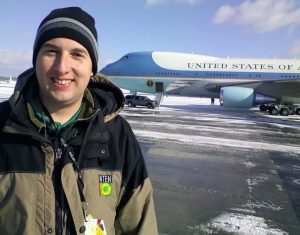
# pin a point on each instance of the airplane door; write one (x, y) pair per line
(159, 87)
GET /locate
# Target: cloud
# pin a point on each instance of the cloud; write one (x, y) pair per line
(158, 2)
(14, 62)
(224, 13)
(260, 15)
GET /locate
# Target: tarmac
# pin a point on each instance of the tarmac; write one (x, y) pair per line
(217, 170)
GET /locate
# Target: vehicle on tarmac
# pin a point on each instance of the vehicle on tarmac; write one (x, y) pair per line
(139, 100)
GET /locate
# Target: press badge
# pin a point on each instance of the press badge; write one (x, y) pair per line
(105, 185)
(94, 226)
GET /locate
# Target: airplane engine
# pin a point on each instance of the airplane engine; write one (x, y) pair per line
(242, 97)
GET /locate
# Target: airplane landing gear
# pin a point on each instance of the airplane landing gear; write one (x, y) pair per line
(284, 110)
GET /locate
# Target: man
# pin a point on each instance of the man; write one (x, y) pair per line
(69, 163)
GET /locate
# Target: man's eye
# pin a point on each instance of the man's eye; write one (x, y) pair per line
(78, 55)
(50, 52)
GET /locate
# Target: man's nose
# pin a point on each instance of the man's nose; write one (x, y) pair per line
(62, 63)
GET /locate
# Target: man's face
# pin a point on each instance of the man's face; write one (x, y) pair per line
(63, 69)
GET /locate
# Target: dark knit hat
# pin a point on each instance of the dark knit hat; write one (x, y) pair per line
(72, 23)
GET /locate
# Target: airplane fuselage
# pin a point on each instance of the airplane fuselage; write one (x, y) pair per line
(140, 71)
(197, 75)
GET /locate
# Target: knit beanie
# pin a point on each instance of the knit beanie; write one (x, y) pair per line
(72, 23)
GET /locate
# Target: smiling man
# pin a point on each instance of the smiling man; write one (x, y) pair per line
(69, 163)
(63, 69)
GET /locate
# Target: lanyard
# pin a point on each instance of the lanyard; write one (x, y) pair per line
(80, 177)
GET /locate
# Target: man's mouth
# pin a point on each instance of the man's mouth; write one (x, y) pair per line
(62, 82)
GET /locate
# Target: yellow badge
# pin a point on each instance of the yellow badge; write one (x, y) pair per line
(94, 226)
(105, 185)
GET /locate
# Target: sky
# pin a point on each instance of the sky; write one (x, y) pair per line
(220, 28)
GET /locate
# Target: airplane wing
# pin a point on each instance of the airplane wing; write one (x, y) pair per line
(178, 84)
(278, 88)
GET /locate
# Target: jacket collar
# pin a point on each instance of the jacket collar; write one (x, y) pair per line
(101, 94)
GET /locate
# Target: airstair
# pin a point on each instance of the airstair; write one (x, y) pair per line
(159, 97)
(159, 88)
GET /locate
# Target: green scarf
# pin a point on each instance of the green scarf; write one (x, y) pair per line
(41, 116)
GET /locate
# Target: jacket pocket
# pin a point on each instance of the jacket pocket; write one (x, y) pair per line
(17, 205)
(97, 150)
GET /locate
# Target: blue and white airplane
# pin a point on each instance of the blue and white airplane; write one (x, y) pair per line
(237, 82)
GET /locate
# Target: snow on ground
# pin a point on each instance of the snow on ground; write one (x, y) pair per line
(238, 224)
(6, 89)
(196, 139)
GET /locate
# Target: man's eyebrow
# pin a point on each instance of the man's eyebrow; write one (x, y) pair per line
(75, 49)
(47, 44)
(80, 50)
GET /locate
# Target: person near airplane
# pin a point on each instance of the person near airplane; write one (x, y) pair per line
(69, 163)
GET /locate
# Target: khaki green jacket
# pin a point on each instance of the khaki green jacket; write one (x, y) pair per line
(117, 188)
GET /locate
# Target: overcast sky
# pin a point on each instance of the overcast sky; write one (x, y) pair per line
(222, 28)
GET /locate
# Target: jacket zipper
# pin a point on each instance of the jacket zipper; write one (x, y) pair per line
(59, 197)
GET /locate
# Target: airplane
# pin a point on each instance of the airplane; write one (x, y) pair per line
(274, 84)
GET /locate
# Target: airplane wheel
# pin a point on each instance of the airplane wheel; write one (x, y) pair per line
(291, 111)
(263, 108)
(130, 104)
(273, 111)
(284, 112)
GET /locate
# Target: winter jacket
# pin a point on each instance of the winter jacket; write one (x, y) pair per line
(44, 190)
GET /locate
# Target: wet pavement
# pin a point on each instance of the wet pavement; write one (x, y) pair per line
(221, 171)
